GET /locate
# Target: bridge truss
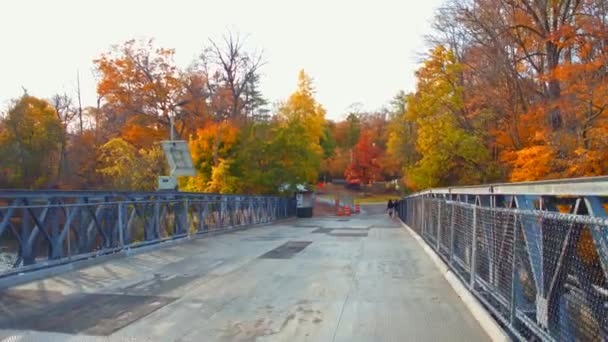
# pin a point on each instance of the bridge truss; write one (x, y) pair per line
(39, 229)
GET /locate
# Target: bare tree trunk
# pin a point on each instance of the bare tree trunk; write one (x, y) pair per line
(216, 145)
(554, 87)
(79, 101)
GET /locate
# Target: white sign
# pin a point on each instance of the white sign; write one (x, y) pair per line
(179, 158)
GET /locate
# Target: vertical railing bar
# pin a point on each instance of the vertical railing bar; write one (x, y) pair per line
(473, 249)
(438, 238)
(513, 308)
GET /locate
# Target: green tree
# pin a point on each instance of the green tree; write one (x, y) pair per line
(401, 145)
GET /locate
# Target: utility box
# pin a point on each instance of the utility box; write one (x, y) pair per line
(167, 183)
(305, 202)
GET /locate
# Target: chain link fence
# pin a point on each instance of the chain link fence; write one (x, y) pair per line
(541, 274)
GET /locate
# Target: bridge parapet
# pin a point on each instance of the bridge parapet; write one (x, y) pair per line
(45, 228)
(535, 254)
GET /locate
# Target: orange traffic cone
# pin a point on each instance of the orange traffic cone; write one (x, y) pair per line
(347, 210)
(339, 211)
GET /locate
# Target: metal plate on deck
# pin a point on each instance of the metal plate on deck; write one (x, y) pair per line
(348, 233)
(286, 250)
(343, 232)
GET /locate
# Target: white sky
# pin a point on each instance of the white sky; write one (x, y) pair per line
(356, 51)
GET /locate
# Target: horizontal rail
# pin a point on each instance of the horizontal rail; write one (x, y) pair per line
(591, 186)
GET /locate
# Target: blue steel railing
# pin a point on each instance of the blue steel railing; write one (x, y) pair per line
(535, 254)
(45, 228)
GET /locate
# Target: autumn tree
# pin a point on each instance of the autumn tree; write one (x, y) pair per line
(303, 114)
(451, 150)
(139, 85)
(401, 144)
(31, 135)
(347, 131)
(365, 166)
(66, 112)
(209, 154)
(124, 167)
(535, 67)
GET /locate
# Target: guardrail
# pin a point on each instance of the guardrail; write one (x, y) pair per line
(535, 254)
(40, 229)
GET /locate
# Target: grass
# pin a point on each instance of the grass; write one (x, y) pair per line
(376, 198)
(365, 199)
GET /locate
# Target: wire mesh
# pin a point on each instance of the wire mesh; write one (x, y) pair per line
(542, 274)
(446, 229)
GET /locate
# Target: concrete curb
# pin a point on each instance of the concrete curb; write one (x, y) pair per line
(487, 322)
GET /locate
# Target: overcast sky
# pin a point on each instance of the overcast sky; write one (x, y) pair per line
(356, 51)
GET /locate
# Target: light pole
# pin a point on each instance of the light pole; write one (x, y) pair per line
(172, 117)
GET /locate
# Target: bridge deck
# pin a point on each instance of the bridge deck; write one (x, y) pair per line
(321, 279)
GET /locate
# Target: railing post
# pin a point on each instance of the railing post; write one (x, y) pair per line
(421, 217)
(67, 235)
(187, 216)
(121, 238)
(156, 225)
(514, 282)
(473, 249)
(452, 232)
(438, 238)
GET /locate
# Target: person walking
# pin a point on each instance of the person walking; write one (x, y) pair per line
(390, 207)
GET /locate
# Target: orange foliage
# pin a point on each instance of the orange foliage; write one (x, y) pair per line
(532, 163)
(142, 136)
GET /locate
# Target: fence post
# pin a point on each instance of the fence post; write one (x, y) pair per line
(121, 238)
(474, 249)
(187, 214)
(438, 238)
(514, 281)
(156, 226)
(69, 233)
(452, 232)
(422, 217)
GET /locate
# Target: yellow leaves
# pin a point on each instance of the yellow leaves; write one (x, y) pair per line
(126, 168)
(302, 109)
(532, 163)
(222, 181)
(30, 136)
(213, 177)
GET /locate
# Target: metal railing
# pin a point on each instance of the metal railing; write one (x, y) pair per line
(535, 254)
(45, 228)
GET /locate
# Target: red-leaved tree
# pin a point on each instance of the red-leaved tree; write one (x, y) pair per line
(364, 167)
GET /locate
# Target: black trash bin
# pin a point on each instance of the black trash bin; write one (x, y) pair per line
(305, 201)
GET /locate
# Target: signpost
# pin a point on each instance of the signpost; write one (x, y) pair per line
(178, 157)
(180, 163)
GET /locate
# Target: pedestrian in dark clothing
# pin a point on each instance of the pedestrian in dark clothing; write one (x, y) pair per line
(390, 208)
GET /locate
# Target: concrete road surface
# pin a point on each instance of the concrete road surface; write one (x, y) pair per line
(361, 278)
